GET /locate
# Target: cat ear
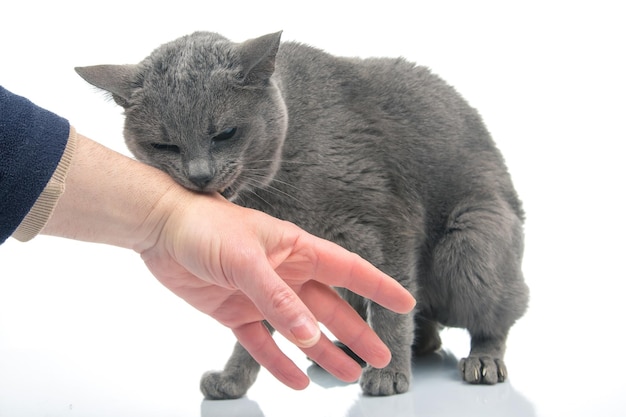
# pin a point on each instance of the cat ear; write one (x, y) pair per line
(258, 57)
(116, 79)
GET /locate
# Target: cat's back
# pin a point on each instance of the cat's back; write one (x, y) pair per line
(391, 113)
(394, 93)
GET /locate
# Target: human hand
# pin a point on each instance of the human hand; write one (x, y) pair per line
(238, 265)
(241, 266)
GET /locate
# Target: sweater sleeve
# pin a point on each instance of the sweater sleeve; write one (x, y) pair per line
(32, 144)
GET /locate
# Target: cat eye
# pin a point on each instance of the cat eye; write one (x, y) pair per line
(225, 134)
(165, 147)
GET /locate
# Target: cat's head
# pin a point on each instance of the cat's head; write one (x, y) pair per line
(203, 109)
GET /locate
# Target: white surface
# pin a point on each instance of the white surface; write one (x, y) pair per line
(86, 331)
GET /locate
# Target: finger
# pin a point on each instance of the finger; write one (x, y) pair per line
(334, 360)
(344, 322)
(281, 306)
(340, 268)
(258, 341)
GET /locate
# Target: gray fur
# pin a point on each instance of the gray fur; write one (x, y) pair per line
(378, 155)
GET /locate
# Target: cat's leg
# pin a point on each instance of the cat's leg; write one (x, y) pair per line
(396, 331)
(238, 375)
(360, 306)
(477, 265)
(427, 339)
(234, 381)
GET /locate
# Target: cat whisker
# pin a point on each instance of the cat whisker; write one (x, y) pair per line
(276, 180)
(263, 170)
(272, 189)
(264, 200)
(287, 161)
(261, 198)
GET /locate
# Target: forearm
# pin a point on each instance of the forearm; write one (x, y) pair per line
(110, 198)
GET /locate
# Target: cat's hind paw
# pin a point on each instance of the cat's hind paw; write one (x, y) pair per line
(483, 370)
(220, 386)
(380, 382)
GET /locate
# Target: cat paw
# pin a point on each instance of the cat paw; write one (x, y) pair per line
(482, 370)
(379, 382)
(219, 386)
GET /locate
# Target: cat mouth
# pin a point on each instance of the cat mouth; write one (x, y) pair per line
(227, 187)
(227, 192)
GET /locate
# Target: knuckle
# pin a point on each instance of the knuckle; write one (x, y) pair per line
(283, 301)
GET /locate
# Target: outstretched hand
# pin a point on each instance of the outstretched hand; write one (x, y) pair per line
(241, 267)
(237, 265)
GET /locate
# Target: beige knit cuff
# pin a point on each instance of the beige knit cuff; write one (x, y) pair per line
(40, 213)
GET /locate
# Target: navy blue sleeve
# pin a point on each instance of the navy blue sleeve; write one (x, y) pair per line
(32, 142)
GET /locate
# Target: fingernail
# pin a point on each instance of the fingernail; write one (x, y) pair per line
(307, 333)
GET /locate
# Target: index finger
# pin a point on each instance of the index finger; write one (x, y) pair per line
(338, 267)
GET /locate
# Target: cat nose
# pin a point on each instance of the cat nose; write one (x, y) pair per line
(199, 172)
(200, 181)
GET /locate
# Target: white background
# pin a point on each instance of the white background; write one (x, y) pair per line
(86, 331)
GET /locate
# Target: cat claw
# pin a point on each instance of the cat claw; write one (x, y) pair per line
(482, 370)
(502, 372)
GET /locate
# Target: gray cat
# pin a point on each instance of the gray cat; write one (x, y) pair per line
(377, 155)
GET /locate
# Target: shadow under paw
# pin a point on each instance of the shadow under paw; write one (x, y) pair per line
(482, 370)
(220, 386)
(380, 382)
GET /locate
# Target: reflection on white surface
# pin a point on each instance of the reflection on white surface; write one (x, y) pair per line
(436, 391)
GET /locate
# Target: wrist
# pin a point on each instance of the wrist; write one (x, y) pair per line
(43, 208)
(171, 203)
(110, 198)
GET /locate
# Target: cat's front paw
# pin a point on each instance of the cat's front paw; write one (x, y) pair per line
(222, 386)
(482, 370)
(379, 382)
